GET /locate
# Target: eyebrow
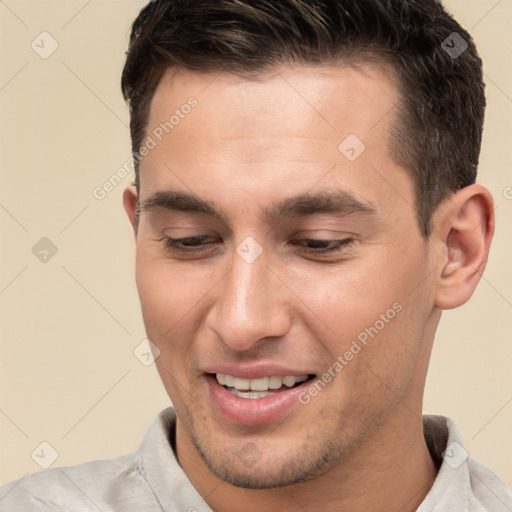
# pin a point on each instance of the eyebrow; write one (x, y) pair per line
(179, 201)
(338, 202)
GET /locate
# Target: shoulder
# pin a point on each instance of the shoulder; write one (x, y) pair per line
(488, 490)
(81, 488)
(124, 483)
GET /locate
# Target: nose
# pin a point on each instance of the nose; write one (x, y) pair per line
(251, 305)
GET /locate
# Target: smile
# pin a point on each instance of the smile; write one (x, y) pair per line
(255, 401)
(258, 388)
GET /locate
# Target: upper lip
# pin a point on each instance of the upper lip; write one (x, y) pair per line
(256, 370)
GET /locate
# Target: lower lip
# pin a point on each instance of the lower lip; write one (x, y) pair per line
(248, 411)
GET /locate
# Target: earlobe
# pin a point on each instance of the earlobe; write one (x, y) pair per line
(130, 203)
(465, 227)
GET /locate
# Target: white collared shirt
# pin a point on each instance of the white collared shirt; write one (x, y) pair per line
(151, 479)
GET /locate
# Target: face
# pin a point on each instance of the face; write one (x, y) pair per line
(280, 267)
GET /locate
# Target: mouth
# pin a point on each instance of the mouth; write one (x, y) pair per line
(262, 387)
(258, 400)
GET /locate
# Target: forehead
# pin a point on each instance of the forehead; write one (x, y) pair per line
(330, 98)
(282, 132)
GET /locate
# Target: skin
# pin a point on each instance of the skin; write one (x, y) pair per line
(247, 145)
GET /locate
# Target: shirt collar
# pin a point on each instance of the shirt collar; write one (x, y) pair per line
(160, 467)
(452, 485)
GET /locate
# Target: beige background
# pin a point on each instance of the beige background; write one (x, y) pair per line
(68, 375)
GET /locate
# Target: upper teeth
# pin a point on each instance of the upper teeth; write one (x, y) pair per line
(262, 384)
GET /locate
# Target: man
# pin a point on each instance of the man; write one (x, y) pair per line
(304, 208)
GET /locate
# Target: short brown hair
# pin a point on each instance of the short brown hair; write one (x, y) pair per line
(438, 133)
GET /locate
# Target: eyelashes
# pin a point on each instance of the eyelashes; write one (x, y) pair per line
(201, 243)
(187, 244)
(321, 245)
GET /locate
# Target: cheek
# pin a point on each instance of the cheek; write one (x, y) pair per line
(345, 301)
(371, 314)
(170, 301)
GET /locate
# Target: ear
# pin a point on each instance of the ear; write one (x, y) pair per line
(465, 226)
(130, 203)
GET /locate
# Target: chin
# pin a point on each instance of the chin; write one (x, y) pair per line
(250, 469)
(255, 479)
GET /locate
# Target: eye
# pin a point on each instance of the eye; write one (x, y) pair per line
(201, 243)
(320, 246)
(189, 244)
